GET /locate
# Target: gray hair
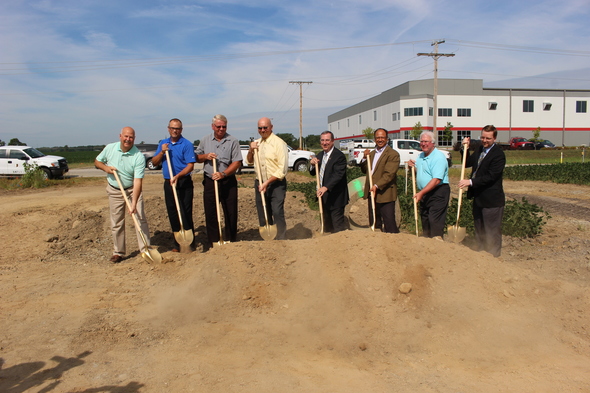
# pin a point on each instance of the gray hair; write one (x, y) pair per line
(219, 117)
(430, 134)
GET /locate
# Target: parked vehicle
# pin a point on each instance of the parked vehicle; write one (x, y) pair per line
(520, 143)
(148, 151)
(298, 159)
(408, 149)
(544, 144)
(361, 143)
(13, 158)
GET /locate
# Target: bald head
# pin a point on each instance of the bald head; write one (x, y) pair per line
(127, 137)
(264, 127)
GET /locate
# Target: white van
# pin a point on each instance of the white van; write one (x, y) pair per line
(13, 158)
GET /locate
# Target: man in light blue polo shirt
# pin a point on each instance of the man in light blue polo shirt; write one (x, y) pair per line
(127, 160)
(182, 158)
(432, 178)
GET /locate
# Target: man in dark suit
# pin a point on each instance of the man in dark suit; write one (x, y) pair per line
(485, 187)
(384, 164)
(333, 186)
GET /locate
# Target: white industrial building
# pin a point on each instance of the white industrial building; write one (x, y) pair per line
(562, 114)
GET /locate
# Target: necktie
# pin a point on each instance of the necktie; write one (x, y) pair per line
(481, 156)
(323, 168)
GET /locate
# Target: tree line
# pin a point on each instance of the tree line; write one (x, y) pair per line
(309, 141)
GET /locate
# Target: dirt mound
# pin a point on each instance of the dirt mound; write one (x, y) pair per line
(354, 311)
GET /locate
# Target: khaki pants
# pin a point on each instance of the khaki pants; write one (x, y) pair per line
(118, 211)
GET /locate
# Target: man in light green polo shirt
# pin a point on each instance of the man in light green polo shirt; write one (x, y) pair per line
(127, 160)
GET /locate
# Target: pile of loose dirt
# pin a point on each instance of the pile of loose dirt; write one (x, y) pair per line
(354, 311)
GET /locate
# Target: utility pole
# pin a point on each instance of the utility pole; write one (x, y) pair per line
(435, 55)
(300, 83)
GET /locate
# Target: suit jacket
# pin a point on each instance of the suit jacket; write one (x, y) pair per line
(486, 185)
(334, 179)
(384, 175)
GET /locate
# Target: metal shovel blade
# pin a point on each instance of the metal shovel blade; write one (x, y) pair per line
(455, 234)
(268, 232)
(152, 255)
(184, 238)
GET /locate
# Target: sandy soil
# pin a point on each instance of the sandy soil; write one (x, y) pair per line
(309, 314)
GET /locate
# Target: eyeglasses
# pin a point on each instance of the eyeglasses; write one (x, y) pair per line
(218, 127)
(175, 128)
(263, 128)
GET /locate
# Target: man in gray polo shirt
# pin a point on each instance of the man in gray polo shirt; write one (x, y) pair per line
(226, 150)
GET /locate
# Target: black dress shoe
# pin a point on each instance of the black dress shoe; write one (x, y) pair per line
(116, 258)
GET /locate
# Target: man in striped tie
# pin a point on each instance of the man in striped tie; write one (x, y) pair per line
(333, 186)
(485, 187)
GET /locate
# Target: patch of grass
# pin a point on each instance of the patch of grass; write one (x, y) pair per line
(544, 156)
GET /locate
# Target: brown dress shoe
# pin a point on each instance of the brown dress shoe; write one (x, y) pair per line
(116, 258)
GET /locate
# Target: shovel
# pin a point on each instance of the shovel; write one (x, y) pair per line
(455, 233)
(150, 254)
(370, 176)
(415, 201)
(267, 232)
(218, 206)
(317, 177)
(183, 237)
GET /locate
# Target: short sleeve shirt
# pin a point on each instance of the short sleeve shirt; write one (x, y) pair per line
(181, 153)
(227, 150)
(130, 165)
(432, 166)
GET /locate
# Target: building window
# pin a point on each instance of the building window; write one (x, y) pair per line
(547, 106)
(581, 106)
(360, 119)
(338, 125)
(442, 141)
(347, 122)
(528, 105)
(464, 112)
(394, 116)
(445, 112)
(375, 115)
(413, 111)
(492, 106)
(399, 115)
(463, 134)
(407, 134)
(431, 111)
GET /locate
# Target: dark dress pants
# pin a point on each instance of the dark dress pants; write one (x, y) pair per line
(228, 198)
(185, 192)
(433, 210)
(275, 206)
(487, 222)
(384, 216)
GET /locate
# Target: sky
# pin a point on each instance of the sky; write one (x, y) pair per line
(74, 72)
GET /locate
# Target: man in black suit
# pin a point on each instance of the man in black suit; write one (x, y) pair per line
(485, 187)
(333, 186)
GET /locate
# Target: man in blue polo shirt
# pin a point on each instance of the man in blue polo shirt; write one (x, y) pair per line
(182, 158)
(432, 178)
(127, 160)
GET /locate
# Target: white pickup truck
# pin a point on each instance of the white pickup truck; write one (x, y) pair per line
(408, 149)
(298, 159)
(13, 158)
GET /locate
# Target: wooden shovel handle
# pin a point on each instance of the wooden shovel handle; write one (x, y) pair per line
(135, 220)
(171, 174)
